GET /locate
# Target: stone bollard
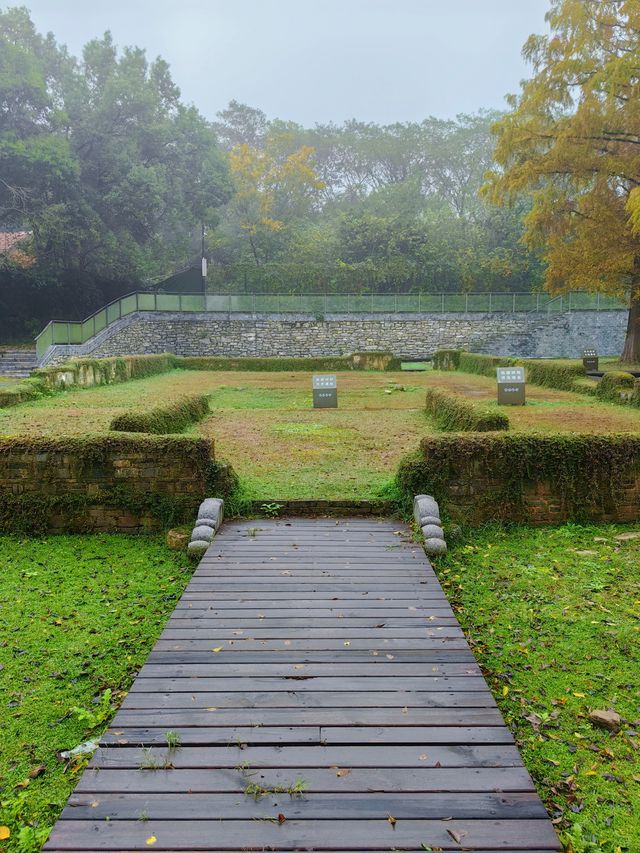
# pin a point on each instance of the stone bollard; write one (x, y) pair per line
(210, 515)
(427, 515)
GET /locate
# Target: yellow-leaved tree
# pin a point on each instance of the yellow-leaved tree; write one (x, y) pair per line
(272, 186)
(572, 140)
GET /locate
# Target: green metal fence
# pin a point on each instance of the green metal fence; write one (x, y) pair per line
(78, 332)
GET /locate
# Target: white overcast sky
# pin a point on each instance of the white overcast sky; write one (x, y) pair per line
(319, 60)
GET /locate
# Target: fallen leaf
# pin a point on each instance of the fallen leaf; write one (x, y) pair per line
(151, 839)
(423, 757)
(281, 818)
(392, 820)
(217, 649)
(457, 836)
(37, 771)
(5, 832)
(344, 771)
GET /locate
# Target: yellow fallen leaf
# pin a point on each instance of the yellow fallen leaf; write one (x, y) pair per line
(151, 839)
(505, 690)
(579, 695)
(217, 649)
(5, 832)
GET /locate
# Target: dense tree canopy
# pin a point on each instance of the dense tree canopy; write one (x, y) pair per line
(572, 140)
(377, 207)
(103, 165)
(112, 176)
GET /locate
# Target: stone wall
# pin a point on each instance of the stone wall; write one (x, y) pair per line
(528, 478)
(101, 483)
(405, 335)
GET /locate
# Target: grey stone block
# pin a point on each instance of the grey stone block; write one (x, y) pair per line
(206, 522)
(202, 534)
(197, 549)
(212, 508)
(432, 531)
(424, 507)
(431, 519)
(434, 547)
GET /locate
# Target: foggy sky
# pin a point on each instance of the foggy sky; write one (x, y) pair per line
(319, 60)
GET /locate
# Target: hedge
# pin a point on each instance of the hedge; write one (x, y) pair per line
(88, 372)
(22, 392)
(174, 418)
(551, 373)
(452, 412)
(356, 361)
(478, 478)
(618, 387)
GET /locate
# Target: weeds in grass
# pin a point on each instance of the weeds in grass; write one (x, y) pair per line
(271, 510)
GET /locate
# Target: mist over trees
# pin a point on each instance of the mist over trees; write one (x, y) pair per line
(112, 176)
(365, 207)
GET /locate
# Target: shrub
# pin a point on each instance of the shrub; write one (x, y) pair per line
(357, 361)
(552, 373)
(22, 392)
(451, 412)
(173, 418)
(617, 387)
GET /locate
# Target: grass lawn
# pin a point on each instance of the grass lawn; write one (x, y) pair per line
(553, 616)
(263, 423)
(78, 617)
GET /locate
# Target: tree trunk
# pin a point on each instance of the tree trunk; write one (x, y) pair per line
(631, 350)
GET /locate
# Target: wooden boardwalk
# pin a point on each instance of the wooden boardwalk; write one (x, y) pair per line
(324, 698)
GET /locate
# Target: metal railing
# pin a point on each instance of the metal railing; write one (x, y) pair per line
(80, 331)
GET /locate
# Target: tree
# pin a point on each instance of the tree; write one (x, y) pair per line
(272, 189)
(102, 163)
(572, 138)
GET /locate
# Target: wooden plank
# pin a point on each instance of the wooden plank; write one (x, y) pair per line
(235, 654)
(306, 834)
(300, 683)
(311, 646)
(296, 699)
(353, 734)
(374, 635)
(310, 756)
(359, 779)
(399, 715)
(309, 806)
(378, 668)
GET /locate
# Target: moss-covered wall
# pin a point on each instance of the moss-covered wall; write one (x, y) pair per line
(121, 482)
(535, 479)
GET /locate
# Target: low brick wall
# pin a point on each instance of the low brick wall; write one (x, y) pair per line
(532, 479)
(126, 483)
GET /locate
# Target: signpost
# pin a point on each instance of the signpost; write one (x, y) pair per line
(590, 360)
(511, 386)
(325, 391)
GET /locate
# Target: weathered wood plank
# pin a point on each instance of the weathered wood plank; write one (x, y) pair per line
(296, 699)
(320, 735)
(308, 806)
(310, 756)
(295, 834)
(359, 779)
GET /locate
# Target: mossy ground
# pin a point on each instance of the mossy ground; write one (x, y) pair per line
(78, 617)
(553, 616)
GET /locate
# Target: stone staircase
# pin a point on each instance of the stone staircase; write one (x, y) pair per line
(17, 363)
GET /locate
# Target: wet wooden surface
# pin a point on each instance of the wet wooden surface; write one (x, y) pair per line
(311, 691)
